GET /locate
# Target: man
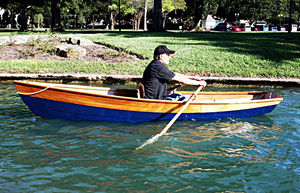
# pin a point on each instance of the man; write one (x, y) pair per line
(157, 75)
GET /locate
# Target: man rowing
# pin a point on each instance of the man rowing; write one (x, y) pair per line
(157, 75)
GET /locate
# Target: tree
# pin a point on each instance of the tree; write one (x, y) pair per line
(20, 8)
(140, 8)
(157, 16)
(145, 14)
(55, 16)
(6, 18)
(38, 19)
(114, 11)
(271, 11)
(137, 15)
(11, 9)
(195, 9)
(167, 7)
(124, 8)
(23, 17)
(298, 14)
(170, 5)
(73, 13)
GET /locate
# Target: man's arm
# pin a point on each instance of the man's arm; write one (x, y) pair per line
(188, 80)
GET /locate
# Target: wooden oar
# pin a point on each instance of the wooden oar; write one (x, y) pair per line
(153, 139)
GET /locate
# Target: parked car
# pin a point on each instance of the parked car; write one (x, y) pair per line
(258, 28)
(223, 27)
(234, 28)
(243, 27)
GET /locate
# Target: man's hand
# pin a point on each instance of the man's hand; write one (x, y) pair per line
(198, 78)
(203, 83)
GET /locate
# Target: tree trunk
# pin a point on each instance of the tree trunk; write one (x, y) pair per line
(197, 12)
(13, 23)
(157, 16)
(299, 15)
(164, 20)
(113, 16)
(23, 18)
(145, 16)
(48, 13)
(290, 17)
(134, 21)
(55, 19)
(139, 19)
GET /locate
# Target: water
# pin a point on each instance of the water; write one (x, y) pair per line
(258, 154)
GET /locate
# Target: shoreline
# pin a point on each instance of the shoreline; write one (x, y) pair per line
(123, 79)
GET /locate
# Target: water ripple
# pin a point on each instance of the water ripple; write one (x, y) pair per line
(256, 154)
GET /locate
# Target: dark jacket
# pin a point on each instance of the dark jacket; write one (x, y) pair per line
(155, 79)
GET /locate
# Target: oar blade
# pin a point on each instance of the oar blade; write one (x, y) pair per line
(149, 141)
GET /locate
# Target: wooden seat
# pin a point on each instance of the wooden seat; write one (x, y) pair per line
(141, 91)
(173, 89)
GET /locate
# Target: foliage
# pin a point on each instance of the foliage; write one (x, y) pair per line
(114, 8)
(253, 10)
(272, 11)
(138, 7)
(79, 13)
(19, 7)
(171, 5)
(167, 6)
(82, 13)
(38, 19)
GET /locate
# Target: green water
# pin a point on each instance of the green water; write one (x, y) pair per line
(258, 154)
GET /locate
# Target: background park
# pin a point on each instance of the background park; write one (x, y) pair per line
(65, 39)
(132, 29)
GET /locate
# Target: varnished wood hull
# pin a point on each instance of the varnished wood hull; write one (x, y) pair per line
(121, 105)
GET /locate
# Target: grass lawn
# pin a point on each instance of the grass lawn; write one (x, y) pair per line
(233, 54)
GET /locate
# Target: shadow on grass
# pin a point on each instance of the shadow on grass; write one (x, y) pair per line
(272, 46)
(275, 47)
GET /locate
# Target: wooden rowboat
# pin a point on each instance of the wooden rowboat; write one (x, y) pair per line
(75, 102)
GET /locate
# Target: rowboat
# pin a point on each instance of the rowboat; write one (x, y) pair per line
(74, 102)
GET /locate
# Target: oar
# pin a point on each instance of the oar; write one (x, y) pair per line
(153, 139)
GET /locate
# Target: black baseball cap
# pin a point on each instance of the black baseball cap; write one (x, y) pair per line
(162, 49)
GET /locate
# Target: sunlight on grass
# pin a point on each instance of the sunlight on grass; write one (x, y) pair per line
(258, 54)
(233, 54)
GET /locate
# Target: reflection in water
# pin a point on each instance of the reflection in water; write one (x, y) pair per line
(242, 141)
(239, 155)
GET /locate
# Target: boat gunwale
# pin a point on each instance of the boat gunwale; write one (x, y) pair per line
(73, 90)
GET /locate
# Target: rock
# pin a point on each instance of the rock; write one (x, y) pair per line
(85, 42)
(74, 41)
(69, 50)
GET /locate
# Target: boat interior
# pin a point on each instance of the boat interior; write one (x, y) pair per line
(139, 93)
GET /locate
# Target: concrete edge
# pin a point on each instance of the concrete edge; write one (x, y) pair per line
(111, 78)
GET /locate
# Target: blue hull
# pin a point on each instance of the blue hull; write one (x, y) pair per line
(69, 111)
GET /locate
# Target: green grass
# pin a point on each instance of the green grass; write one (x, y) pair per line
(69, 67)
(231, 54)
(11, 32)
